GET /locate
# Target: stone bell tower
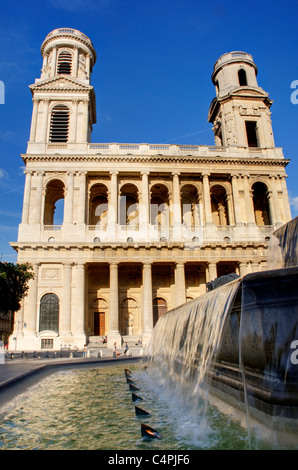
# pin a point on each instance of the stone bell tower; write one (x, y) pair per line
(63, 98)
(240, 113)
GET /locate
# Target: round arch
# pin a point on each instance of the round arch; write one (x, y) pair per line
(129, 315)
(54, 192)
(219, 206)
(261, 203)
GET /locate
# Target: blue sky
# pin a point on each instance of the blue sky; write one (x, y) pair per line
(152, 77)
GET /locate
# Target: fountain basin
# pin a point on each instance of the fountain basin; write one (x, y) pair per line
(257, 344)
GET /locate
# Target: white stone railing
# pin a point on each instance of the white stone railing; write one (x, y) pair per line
(163, 150)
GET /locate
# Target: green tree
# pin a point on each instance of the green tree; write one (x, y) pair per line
(14, 284)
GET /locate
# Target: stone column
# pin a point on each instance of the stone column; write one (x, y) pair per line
(235, 195)
(243, 268)
(78, 320)
(74, 120)
(113, 204)
(65, 328)
(207, 201)
(45, 119)
(113, 334)
(68, 208)
(180, 284)
(147, 303)
(248, 201)
(53, 62)
(34, 120)
(75, 62)
(36, 212)
(275, 209)
(82, 202)
(287, 206)
(230, 209)
(88, 61)
(271, 202)
(145, 206)
(85, 124)
(212, 271)
(31, 308)
(176, 207)
(26, 202)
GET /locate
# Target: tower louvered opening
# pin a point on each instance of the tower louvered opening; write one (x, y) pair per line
(64, 63)
(59, 124)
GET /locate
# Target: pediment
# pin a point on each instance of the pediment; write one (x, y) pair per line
(252, 92)
(61, 83)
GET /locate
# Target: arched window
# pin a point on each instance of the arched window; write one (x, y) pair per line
(64, 63)
(54, 203)
(98, 205)
(129, 207)
(49, 313)
(219, 205)
(242, 77)
(190, 206)
(261, 204)
(129, 313)
(159, 206)
(59, 124)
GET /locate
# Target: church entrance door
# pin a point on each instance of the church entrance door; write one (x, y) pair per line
(99, 323)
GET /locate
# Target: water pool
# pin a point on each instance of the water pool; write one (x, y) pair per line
(92, 409)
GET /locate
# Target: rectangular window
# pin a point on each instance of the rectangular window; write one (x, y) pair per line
(47, 343)
(251, 133)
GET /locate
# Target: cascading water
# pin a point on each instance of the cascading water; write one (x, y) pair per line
(188, 337)
(283, 247)
(235, 343)
(184, 344)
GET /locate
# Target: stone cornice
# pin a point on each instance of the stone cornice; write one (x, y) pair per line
(135, 247)
(58, 157)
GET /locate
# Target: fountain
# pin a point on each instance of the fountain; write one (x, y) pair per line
(237, 345)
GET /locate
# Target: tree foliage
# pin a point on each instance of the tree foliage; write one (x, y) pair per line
(14, 284)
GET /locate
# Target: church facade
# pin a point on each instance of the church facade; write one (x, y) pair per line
(144, 227)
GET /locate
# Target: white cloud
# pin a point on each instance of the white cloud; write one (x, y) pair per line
(294, 202)
(3, 174)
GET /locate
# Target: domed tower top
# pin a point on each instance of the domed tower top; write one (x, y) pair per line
(232, 70)
(240, 113)
(67, 51)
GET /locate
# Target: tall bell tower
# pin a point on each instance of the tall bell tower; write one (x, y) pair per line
(64, 108)
(240, 113)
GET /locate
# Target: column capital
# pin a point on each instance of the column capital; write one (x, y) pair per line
(114, 264)
(147, 264)
(180, 264)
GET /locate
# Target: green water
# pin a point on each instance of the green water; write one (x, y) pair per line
(93, 410)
